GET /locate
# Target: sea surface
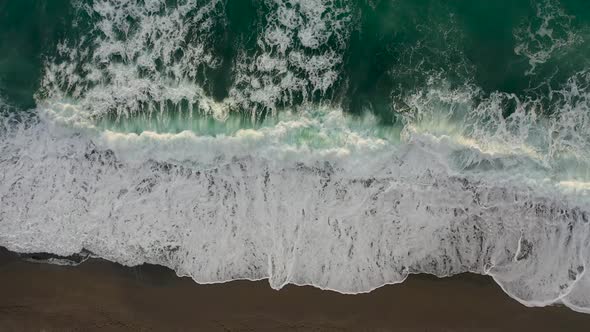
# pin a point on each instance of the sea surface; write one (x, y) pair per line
(344, 144)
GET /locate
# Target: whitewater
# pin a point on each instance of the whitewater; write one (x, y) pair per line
(134, 155)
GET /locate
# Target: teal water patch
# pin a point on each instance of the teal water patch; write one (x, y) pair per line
(175, 122)
(319, 128)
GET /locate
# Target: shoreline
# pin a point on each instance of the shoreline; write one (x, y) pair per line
(98, 295)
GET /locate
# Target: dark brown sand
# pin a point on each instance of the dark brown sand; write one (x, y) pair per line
(99, 295)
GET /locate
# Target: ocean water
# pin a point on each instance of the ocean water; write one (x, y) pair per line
(344, 144)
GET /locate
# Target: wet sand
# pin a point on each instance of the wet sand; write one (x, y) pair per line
(100, 295)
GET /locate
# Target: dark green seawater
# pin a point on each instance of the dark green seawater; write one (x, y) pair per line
(386, 48)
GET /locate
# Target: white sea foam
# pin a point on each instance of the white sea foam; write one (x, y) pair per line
(546, 35)
(237, 207)
(299, 53)
(144, 55)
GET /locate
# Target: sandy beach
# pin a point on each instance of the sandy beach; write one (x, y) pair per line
(99, 295)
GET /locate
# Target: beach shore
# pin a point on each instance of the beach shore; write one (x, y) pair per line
(99, 295)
